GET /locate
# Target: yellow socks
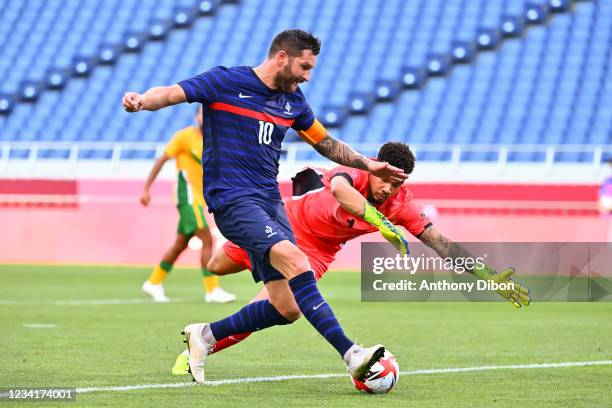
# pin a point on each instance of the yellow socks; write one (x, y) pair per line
(160, 272)
(210, 281)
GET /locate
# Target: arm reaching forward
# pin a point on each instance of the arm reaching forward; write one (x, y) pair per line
(154, 99)
(446, 248)
(343, 154)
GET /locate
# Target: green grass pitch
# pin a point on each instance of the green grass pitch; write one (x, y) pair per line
(97, 345)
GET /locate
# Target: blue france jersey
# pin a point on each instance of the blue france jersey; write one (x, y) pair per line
(244, 125)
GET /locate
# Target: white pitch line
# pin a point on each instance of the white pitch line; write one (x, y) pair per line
(91, 302)
(338, 375)
(96, 302)
(40, 325)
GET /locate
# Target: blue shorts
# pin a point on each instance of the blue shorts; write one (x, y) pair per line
(255, 225)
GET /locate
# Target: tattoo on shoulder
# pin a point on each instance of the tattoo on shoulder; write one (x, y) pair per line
(341, 153)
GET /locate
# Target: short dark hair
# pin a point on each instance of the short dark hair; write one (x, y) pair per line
(293, 42)
(397, 154)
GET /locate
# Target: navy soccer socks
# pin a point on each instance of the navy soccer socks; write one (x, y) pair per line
(317, 311)
(254, 316)
(260, 315)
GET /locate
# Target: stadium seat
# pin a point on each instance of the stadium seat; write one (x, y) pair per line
(207, 7)
(82, 66)
(360, 103)
(159, 29)
(536, 13)
(412, 70)
(133, 41)
(333, 116)
(559, 6)
(413, 77)
(463, 52)
(387, 91)
(29, 91)
(488, 39)
(438, 65)
(512, 26)
(57, 78)
(184, 17)
(6, 104)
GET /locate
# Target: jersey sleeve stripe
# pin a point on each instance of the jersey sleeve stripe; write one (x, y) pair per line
(251, 113)
(345, 176)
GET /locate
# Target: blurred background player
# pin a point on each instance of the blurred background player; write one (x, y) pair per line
(342, 204)
(185, 148)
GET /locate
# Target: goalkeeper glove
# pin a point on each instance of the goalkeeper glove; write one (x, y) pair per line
(517, 296)
(391, 233)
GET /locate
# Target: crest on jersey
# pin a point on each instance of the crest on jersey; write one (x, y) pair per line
(288, 109)
(269, 231)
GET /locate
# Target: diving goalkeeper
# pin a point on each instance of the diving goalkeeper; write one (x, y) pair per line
(343, 204)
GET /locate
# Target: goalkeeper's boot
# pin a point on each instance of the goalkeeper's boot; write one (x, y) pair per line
(218, 295)
(198, 350)
(181, 365)
(361, 359)
(155, 291)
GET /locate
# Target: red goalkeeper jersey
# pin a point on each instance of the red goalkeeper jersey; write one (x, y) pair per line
(322, 226)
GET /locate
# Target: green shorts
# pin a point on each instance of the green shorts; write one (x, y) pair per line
(191, 219)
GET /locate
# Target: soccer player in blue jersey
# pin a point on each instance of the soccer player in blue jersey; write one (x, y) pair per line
(246, 113)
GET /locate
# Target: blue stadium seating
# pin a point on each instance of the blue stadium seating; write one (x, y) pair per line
(553, 85)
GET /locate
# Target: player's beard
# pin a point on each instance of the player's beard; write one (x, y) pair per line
(285, 81)
(374, 199)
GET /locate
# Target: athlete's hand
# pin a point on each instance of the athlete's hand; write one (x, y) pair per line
(133, 101)
(385, 170)
(395, 236)
(389, 231)
(517, 296)
(145, 198)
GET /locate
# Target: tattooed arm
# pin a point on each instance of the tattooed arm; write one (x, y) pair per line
(518, 295)
(446, 248)
(343, 154)
(443, 246)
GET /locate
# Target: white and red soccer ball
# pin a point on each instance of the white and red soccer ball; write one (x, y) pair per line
(381, 378)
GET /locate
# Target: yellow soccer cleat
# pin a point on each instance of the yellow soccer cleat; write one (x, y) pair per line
(181, 365)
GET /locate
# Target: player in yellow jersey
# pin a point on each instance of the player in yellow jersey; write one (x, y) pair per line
(185, 148)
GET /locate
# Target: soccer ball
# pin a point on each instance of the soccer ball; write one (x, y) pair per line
(381, 378)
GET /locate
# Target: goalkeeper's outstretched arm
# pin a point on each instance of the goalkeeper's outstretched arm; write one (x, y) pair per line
(447, 248)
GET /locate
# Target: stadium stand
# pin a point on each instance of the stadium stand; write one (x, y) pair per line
(433, 72)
